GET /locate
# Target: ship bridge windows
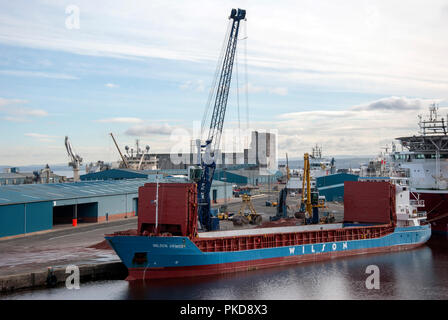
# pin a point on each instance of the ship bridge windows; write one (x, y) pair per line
(402, 157)
(430, 156)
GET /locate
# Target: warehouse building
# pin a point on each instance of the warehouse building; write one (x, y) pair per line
(220, 190)
(120, 174)
(332, 185)
(247, 177)
(7, 178)
(37, 207)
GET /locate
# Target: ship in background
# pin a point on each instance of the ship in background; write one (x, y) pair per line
(424, 160)
(134, 158)
(320, 166)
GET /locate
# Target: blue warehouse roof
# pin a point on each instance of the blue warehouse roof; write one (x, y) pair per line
(24, 193)
(116, 174)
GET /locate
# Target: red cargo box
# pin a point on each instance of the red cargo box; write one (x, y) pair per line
(177, 212)
(369, 202)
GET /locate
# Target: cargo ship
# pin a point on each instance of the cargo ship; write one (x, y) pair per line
(379, 216)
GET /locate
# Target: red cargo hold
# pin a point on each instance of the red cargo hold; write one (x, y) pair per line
(369, 202)
(177, 212)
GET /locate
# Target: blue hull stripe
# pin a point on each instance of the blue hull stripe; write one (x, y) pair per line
(180, 251)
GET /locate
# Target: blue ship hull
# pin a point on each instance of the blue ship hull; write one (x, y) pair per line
(170, 257)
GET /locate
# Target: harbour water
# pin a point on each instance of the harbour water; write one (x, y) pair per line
(420, 273)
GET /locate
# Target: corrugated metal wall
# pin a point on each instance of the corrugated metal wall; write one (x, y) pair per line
(229, 177)
(116, 204)
(26, 217)
(332, 186)
(223, 191)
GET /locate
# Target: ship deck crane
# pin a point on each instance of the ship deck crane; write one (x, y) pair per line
(75, 160)
(207, 163)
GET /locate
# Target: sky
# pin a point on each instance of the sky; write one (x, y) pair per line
(348, 75)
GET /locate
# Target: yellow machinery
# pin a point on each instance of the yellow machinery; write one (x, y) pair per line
(310, 202)
(288, 172)
(244, 217)
(306, 181)
(223, 215)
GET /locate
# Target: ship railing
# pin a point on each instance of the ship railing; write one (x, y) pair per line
(417, 203)
(421, 214)
(287, 239)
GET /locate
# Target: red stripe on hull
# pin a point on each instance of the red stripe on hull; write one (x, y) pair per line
(205, 270)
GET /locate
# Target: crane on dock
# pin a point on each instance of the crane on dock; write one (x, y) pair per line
(75, 159)
(310, 200)
(125, 161)
(221, 93)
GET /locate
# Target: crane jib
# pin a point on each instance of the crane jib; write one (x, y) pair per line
(217, 120)
(223, 88)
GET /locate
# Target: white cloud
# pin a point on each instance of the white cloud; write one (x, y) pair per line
(359, 46)
(354, 130)
(4, 102)
(111, 85)
(15, 119)
(29, 112)
(197, 85)
(279, 91)
(19, 114)
(121, 120)
(397, 103)
(38, 74)
(41, 137)
(251, 88)
(151, 129)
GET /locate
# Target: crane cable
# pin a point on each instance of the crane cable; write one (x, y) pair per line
(215, 79)
(238, 101)
(247, 84)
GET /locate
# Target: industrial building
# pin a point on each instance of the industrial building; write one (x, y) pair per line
(37, 207)
(117, 174)
(14, 176)
(219, 191)
(332, 185)
(247, 177)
